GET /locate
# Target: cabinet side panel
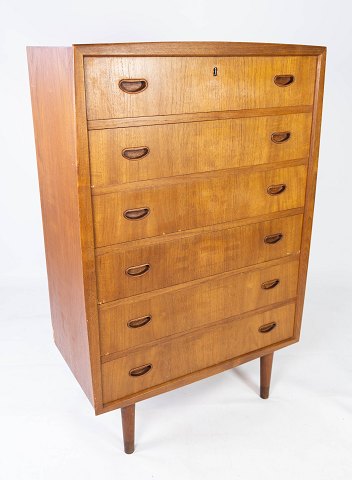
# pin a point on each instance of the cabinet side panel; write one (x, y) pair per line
(310, 190)
(52, 92)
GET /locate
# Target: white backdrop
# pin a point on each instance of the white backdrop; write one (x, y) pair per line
(306, 427)
(66, 22)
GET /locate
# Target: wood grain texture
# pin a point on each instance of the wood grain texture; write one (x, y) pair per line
(194, 352)
(51, 73)
(183, 148)
(193, 202)
(189, 307)
(196, 376)
(195, 117)
(208, 228)
(187, 85)
(197, 189)
(192, 177)
(197, 256)
(86, 229)
(197, 49)
(310, 190)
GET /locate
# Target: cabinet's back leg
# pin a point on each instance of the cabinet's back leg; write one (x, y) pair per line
(127, 416)
(266, 363)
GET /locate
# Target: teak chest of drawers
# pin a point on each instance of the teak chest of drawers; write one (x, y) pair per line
(177, 187)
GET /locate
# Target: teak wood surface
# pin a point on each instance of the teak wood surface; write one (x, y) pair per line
(192, 202)
(197, 256)
(205, 147)
(195, 351)
(67, 220)
(205, 302)
(187, 85)
(205, 180)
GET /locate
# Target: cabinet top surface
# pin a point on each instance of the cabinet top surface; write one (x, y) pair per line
(195, 49)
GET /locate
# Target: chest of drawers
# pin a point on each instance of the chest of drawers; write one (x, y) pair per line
(177, 187)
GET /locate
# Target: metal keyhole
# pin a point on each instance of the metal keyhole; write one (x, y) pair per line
(215, 71)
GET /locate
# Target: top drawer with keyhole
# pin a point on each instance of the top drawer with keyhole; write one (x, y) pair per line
(118, 87)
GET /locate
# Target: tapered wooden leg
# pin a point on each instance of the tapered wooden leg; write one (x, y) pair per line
(266, 363)
(127, 416)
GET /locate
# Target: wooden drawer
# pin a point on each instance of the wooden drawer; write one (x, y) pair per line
(165, 85)
(132, 154)
(194, 351)
(142, 319)
(194, 256)
(194, 201)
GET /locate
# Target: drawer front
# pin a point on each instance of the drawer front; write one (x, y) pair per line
(195, 351)
(195, 256)
(132, 154)
(142, 86)
(137, 321)
(194, 202)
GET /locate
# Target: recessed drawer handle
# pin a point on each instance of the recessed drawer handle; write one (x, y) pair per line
(270, 284)
(139, 322)
(280, 137)
(133, 85)
(284, 80)
(270, 239)
(267, 328)
(136, 213)
(138, 371)
(135, 153)
(276, 189)
(138, 270)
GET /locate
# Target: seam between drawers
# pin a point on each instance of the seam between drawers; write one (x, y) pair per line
(131, 244)
(197, 375)
(198, 281)
(189, 177)
(203, 328)
(127, 122)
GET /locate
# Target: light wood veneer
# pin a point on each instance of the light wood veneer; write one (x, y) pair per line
(205, 146)
(187, 85)
(177, 187)
(192, 202)
(195, 351)
(188, 306)
(195, 256)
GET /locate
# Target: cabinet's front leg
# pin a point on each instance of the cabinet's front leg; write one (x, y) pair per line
(266, 363)
(127, 416)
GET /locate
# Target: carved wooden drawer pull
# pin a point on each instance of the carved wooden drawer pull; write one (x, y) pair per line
(139, 322)
(270, 239)
(133, 85)
(138, 270)
(280, 137)
(284, 80)
(270, 284)
(276, 189)
(136, 213)
(139, 371)
(267, 328)
(135, 153)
